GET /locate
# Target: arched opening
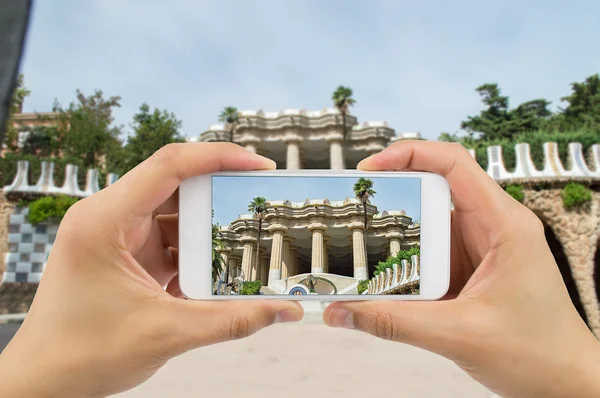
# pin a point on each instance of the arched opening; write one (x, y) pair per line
(564, 268)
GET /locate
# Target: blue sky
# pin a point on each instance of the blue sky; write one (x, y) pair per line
(231, 195)
(413, 63)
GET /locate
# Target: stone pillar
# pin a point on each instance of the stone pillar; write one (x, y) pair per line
(326, 255)
(251, 146)
(394, 237)
(224, 255)
(264, 267)
(336, 153)
(248, 258)
(578, 232)
(232, 263)
(361, 271)
(318, 258)
(277, 231)
(293, 155)
(286, 263)
(294, 262)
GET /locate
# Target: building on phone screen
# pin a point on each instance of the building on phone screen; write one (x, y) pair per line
(326, 240)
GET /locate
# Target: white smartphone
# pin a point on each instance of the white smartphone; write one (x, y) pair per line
(314, 235)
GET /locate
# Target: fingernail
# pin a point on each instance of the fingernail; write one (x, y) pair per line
(341, 318)
(286, 316)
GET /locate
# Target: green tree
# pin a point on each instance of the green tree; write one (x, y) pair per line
(85, 128)
(258, 206)
(151, 131)
(498, 121)
(16, 106)
(230, 116)
(42, 141)
(583, 106)
(363, 189)
(342, 99)
(218, 262)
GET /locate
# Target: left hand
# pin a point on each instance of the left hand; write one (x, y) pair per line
(102, 321)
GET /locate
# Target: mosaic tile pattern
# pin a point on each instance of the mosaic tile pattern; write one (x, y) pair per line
(28, 248)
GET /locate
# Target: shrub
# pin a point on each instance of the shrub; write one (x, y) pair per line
(362, 286)
(49, 208)
(397, 259)
(574, 194)
(516, 191)
(251, 288)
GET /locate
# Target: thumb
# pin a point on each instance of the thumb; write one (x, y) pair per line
(201, 323)
(432, 325)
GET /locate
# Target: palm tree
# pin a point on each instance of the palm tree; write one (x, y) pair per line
(258, 206)
(342, 98)
(362, 190)
(230, 116)
(218, 262)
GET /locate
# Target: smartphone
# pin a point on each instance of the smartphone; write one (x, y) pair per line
(314, 235)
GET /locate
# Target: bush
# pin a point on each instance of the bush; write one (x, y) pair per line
(251, 288)
(574, 194)
(362, 286)
(49, 208)
(516, 191)
(397, 259)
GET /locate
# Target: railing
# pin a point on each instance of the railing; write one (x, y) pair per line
(400, 277)
(45, 184)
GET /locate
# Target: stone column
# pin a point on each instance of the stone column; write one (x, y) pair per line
(264, 266)
(277, 231)
(251, 146)
(326, 255)
(293, 155)
(318, 258)
(224, 255)
(286, 263)
(579, 233)
(358, 250)
(294, 262)
(247, 258)
(336, 153)
(232, 263)
(394, 246)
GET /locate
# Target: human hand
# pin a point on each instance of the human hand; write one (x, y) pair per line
(101, 321)
(507, 319)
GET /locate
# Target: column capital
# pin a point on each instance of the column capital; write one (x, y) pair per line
(317, 226)
(292, 137)
(247, 239)
(276, 227)
(247, 138)
(334, 136)
(394, 235)
(356, 225)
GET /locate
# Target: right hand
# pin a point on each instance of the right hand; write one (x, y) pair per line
(508, 320)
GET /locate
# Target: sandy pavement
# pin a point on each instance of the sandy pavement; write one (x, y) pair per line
(309, 360)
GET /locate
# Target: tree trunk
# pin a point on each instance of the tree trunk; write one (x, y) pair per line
(344, 124)
(231, 133)
(365, 233)
(257, 246)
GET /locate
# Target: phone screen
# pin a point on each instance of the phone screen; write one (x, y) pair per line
(315, 235)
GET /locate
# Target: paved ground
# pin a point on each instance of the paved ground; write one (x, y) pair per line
(306, 359)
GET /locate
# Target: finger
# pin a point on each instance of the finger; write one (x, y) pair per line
(155, 258)
(466, 179)
(434, 326)
(153, 182)
(200, 323)
(169, 227)
(173, 288)
(171, 205)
